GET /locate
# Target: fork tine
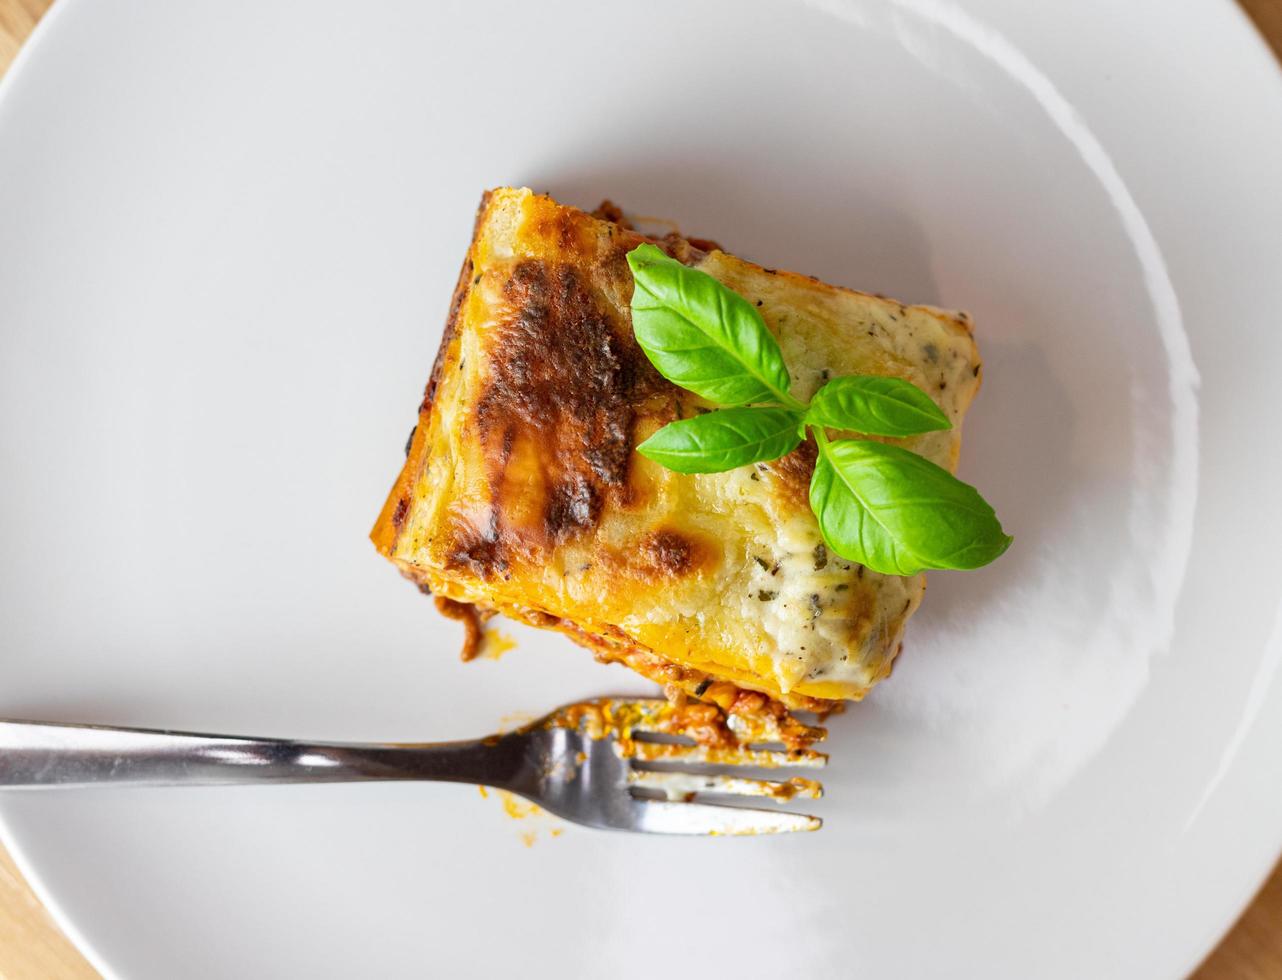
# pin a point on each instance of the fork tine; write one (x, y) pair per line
(756, 758)
(711, 819)
(677, 784)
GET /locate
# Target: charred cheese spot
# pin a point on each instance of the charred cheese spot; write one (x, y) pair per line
(572, 505)
(556, 415)
(673, 552)
(664, 554)
(562, 230)
(482, 551)
(789, 476)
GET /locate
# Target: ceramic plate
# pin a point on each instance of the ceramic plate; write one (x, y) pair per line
(228, 235)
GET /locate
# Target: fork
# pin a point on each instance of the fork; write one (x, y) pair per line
(604, 763)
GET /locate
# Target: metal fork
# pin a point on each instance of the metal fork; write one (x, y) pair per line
(610, 764)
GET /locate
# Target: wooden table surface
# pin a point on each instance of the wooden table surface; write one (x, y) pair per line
(33, 948)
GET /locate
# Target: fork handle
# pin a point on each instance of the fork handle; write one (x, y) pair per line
(36, 754)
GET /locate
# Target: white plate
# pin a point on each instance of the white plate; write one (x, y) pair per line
(227, 238)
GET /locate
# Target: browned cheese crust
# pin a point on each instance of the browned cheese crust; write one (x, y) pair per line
(522, 492)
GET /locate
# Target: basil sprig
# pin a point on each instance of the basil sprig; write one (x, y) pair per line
(903, 513)
(882, 506)
(724, 439)
(875, 406)
(702, 336)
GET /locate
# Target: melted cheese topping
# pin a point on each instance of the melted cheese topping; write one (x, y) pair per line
(522, 491)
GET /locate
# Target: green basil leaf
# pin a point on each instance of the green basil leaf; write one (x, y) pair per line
(724, 439)
(702, 335)
(898, 513)
(876, 406)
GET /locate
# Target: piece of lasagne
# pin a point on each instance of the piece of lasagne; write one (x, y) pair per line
(522, 492)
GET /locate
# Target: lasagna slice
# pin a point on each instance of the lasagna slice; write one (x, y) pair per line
(522, 492)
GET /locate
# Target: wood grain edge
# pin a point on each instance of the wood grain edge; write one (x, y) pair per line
(17, 20)
(1253, 950)
(1267, 17)
(32, 946)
